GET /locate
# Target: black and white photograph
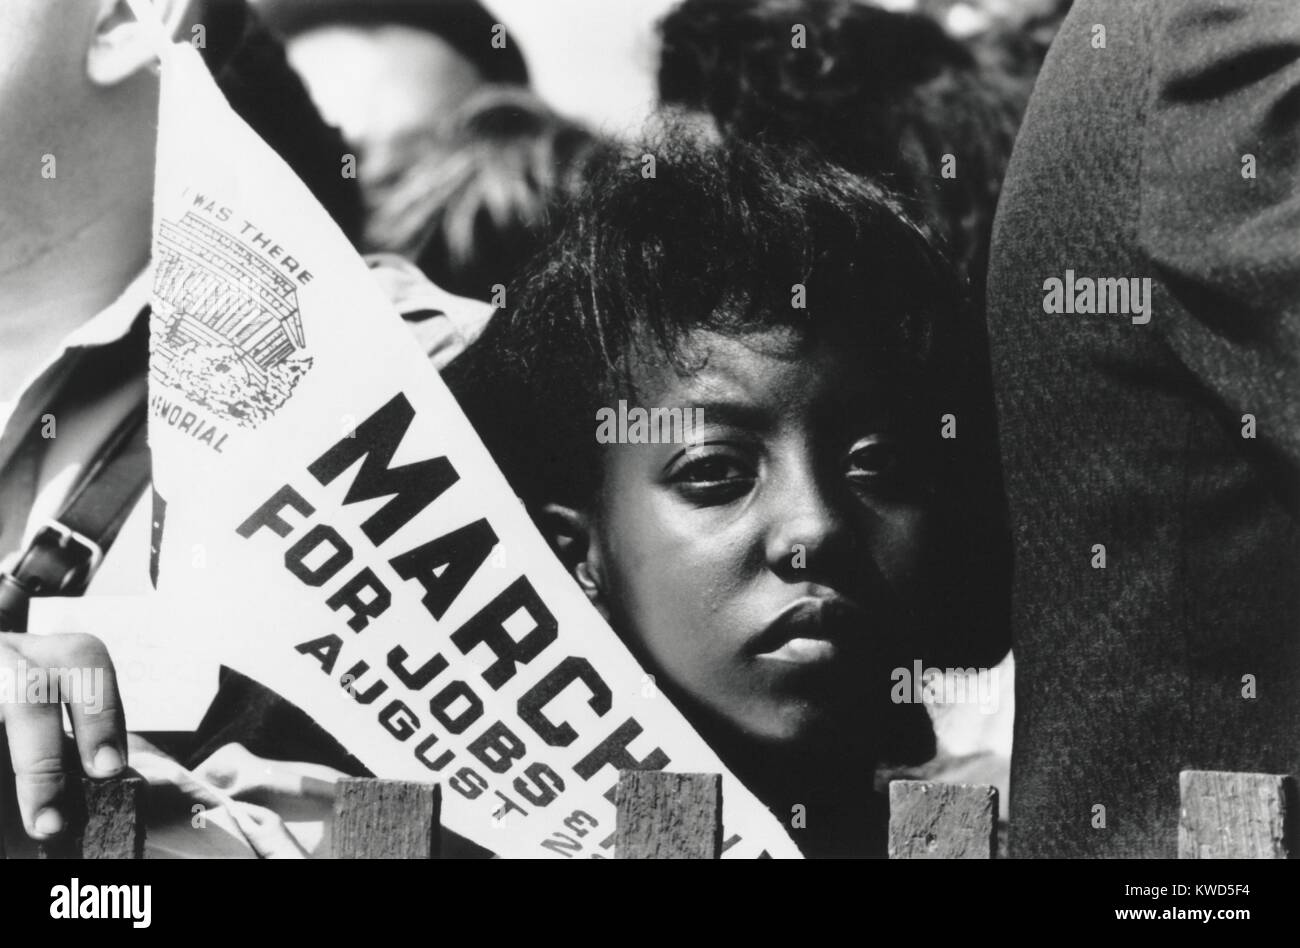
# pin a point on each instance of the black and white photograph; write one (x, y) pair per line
(650, 429)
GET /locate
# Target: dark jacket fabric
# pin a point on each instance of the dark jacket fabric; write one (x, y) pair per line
(252, 69)
(1183, 652)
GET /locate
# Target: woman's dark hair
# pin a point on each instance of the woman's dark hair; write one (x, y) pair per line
(685, 235)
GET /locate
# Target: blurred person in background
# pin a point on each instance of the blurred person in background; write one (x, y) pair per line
(472, 201)
(386, 71)
(884, 94)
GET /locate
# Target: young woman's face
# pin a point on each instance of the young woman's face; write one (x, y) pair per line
(766, 571)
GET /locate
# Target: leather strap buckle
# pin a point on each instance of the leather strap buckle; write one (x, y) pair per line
(78, 558)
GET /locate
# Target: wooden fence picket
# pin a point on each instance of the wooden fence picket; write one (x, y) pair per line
(668, 816)
(107, 822)
(386, 819)
(1237, 816)
(942, 820)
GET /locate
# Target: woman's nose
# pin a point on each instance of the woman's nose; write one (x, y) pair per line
(811, 530)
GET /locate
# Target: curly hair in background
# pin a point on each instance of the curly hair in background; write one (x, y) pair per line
(883, 94)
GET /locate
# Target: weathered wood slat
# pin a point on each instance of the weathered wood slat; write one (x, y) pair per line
(942, 820)
(385, 819)
(668, 816)
(107, 822)
(1237, 816)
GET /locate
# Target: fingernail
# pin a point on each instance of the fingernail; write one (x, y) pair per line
(108, 760)
(48, 822)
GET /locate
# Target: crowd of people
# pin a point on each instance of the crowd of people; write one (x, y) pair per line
(914, 461)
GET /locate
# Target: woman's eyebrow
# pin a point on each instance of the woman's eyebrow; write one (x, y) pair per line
(738, 414)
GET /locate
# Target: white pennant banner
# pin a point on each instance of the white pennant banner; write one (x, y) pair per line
(333, 527)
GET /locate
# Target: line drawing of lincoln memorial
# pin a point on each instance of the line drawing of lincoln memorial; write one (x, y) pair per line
(217, 292)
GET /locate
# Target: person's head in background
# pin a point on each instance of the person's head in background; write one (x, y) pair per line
(472, 202)
(78, 124)
(811, 529)
(385, 70)
(885, 94)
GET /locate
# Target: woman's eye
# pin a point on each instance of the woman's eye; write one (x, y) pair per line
(710, 470)
(873, 459)
(713, 478)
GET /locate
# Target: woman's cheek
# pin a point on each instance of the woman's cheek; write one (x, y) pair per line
(649, 577)
(903, 544)
(678, 584)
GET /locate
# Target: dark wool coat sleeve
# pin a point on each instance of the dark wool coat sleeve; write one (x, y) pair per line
(1184, 650)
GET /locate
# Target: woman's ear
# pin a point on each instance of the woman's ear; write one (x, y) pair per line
(123, 45)
(569, 531)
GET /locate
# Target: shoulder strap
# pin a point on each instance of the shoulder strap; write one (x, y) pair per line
(66, 551)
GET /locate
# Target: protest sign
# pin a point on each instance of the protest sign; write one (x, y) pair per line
(329, 522)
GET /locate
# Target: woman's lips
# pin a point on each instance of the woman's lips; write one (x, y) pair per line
(809, 631)
(803, 651)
